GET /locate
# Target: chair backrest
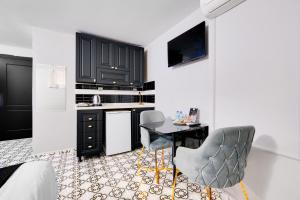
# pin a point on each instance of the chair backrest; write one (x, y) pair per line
(223, 156)
(149, 116)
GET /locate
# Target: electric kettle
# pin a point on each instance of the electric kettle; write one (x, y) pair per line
(96, 100)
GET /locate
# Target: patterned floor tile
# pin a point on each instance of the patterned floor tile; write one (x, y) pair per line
(104, 178)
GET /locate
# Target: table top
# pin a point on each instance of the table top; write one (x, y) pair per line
(168, 127)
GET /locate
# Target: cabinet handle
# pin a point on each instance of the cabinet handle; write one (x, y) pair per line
(90, 126)
(90, 138)
(114, 82)
(90, 146)
(90, 119)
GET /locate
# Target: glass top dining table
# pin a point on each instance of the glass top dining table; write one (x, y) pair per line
(168, 128)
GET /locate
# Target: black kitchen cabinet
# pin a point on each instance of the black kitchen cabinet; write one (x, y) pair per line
(108, 62)
(135, 127)
(85, 58)
(136, 63)
(112, 77)
(121, 57)
(104, 55)
(90, 132)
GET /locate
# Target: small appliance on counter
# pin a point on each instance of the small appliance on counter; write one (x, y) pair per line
(96, 100)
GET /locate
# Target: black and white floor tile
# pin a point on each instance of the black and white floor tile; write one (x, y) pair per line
(106, 177)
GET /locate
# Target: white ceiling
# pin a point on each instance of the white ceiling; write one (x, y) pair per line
(134, 21)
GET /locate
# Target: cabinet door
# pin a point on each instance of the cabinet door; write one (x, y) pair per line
(104, 54)
(112, 77)
(136, 63)
(86, 58)
(121, 57)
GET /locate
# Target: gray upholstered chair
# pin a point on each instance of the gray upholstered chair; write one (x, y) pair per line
(160, 143)
(220, 161)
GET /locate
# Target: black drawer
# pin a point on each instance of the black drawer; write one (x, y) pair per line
(90, 146)
(89, 127)
(89, 117)
(90, 137)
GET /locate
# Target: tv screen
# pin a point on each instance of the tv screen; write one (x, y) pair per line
(189, 46)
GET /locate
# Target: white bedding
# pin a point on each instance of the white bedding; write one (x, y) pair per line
(31, 181)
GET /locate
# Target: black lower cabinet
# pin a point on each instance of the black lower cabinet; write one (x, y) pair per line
(90, 132)
(135, 127)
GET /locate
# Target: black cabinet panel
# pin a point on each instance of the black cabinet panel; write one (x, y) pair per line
(86, 59)
(104, 54)
(112, 77)
(136, 63)
(121, 57)
(135, 127)
(90, 132)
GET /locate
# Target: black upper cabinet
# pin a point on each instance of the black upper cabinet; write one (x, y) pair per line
(136, 63)
(85, 59)
(121, 57)
(108, 62)
(104, 54)
(112, 77)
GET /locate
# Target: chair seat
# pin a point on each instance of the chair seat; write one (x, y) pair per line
(160, 143)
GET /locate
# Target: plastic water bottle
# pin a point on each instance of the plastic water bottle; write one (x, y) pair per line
(180, 115)
(177, 115)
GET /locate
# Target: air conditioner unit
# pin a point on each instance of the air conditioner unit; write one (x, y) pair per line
(214, 8)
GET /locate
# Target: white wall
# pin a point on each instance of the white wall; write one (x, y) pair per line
(180, 88)
(54, 130)
(15, 51)
(258, 82)
(253, 76)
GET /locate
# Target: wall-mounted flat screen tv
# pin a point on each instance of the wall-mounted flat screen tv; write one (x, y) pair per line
(189, 46)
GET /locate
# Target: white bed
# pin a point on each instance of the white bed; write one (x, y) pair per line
(31, 181)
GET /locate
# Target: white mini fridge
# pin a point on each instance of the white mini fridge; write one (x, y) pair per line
(118, 132)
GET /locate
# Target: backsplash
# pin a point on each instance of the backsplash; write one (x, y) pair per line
(87, 98)
(147, 86)
(115, 98)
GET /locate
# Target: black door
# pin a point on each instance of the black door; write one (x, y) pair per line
(86, 58)
(136, 63)
(15, 97)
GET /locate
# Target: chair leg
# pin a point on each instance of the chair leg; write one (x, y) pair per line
(243, 187)
(174, 185)
(162, 158)
(156, 169)
(139, 160)
(208, 190)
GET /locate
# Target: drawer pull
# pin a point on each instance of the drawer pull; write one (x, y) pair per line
(131, 83)
(114, 82)
(112, 67)
(90, 138)
(116, 68)
(90, 119)
(90, 146)
(90, 126)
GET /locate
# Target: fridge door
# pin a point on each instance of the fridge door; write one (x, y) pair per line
(118, 132)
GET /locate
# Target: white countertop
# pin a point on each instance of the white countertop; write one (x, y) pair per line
(116, 106)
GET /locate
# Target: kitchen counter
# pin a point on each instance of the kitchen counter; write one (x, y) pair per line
(109, 106)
